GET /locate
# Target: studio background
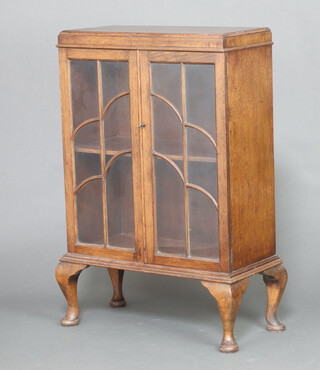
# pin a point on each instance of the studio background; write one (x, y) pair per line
(169, 323)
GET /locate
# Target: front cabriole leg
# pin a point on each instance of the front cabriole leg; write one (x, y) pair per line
(228, 297)
(67, 275)
(275, 279)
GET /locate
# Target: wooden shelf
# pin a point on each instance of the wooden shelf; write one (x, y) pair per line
(115, 144)
(201, 151)
(174, 247)
(167, 247)
(121, 241)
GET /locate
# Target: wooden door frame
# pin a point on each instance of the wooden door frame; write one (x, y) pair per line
(69, 165)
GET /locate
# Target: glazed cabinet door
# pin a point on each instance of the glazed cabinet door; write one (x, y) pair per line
(180, 150)
(100, 119)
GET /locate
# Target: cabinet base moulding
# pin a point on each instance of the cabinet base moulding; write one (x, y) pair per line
(218, 277)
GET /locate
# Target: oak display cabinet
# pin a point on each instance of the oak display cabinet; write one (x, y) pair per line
(168, 157)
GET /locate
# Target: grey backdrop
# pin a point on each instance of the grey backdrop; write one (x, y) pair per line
(169, 323)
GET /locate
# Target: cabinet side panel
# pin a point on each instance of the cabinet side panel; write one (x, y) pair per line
(250, 116)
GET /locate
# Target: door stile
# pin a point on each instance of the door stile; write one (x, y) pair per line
(136, 138)
(67, 148)
(146, 157)
(222, 162)
(185, 158)
(102, 157)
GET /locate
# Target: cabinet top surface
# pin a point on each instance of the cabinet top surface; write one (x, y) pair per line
(218, 39)
(171, 30)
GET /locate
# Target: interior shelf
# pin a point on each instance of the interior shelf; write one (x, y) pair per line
(203, 151)
(123, 240)
(177, 247)
(113, 145)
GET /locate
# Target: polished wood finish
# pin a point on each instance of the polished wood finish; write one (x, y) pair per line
(251, 172)
(67, 275)
(98, 257)
(275, 279)
(116, 277)
(217, 39)
(228, 297)
(239, 151)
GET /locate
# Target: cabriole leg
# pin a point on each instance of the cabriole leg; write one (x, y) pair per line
(229, 297)
(275, 280)
(116, 279)
(67, 275)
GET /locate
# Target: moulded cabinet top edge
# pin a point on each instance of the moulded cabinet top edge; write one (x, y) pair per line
(220, 39)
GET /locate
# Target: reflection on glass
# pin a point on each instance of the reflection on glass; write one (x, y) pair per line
(120, 203)
(203, 226)
(84, 90)
(89, 213)
(170, 209)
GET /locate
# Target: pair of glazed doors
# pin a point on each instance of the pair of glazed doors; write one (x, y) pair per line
(147, 161)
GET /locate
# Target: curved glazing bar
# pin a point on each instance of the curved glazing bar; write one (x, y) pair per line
(85, 123)
(171, 162)
(84, 182)
(203, 131)
(169, 103)
(113, 158)
(107, 106)
(204, 191)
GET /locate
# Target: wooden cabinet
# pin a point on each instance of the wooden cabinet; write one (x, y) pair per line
(168, 155)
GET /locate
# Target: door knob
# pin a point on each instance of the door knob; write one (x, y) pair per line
(141, 124)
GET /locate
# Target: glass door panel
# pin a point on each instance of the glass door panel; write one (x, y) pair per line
(103, 176)
(200, 96)
(89, 213)
(84, 88)
(203, 225)
(115, 79)
(184, 159)
(118, 158)
(120, 202)
(170, 207)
